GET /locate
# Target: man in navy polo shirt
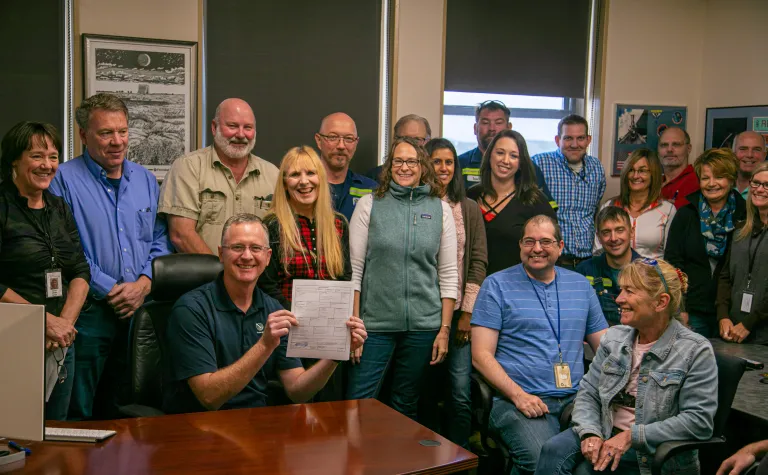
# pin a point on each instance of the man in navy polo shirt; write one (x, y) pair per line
(227, 338)
(528, 326)
(491, 117)
(337, 141)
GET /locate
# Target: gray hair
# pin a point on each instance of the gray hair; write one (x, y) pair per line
(412, 117)
(746, 132)
(102, 100)
(244, 218)
(540, 219)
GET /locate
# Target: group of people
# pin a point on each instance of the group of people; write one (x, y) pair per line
(492, 260)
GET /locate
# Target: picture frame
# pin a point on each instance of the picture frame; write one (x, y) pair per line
(640, 126)
(157, 80)
(724, 123)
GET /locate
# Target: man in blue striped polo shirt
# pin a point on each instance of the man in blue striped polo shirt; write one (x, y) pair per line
(528, 326)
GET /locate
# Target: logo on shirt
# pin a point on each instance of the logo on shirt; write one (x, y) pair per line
(259, 327)
(426, 216)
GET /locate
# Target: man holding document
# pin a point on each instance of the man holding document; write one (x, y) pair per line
(226, 338)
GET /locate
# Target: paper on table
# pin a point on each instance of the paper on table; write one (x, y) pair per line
(322, 308)
(52, 370)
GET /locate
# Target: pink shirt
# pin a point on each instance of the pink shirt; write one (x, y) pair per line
(624, 417)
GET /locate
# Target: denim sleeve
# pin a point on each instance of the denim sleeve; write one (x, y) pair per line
(697, 402)
(587, 409)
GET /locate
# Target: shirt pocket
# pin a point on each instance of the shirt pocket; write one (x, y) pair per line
(261, 205)
(212, 207)
(144, 224)
(611, 375)
(663, 389)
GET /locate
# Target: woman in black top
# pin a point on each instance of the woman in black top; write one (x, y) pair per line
(41, 259)
(508, 196)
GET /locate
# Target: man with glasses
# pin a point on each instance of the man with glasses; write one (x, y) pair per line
(528, 326)
(411, 125)
(749, 148)
(227, 338)
(204, 188)
(337, 142)
(491, 117)
(680, 178)
(577, 181)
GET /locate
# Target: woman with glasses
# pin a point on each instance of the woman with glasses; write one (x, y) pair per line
(308, 239)
(41, 259)
(702, 232)
(651, 362)
(742, 294)
(472, 259)
(404, 271)
(508, 196)
(640, 196)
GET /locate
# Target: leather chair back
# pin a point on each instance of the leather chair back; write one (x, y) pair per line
(729, 372)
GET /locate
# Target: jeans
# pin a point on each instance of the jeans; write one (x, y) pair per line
(101, 349)
(57, 407)
(524, 437)
(408, 352)
(705, 326)
(561, 455)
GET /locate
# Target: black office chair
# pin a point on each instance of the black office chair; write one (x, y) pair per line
(172, 276)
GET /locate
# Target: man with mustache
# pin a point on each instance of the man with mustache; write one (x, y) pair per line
(337, 141)
(114, 202)
(615, 233)
(206, 187)
(577, 181)
(680, 179)
(749, 148)
(528, 326)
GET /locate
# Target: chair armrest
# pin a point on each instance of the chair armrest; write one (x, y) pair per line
(482, 401)
(137, 410)
(565, 416)
(667, 450)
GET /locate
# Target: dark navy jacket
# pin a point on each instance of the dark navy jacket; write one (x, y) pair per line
(598, 273)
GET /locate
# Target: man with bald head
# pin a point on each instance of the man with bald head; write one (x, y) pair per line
(411, 125)
(337, 140)
(206, 187)
(749, 148)
(680, 179)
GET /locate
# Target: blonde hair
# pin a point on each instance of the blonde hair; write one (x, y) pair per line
(752, 213)
(327, 238)
(722, 161)
(642, 275)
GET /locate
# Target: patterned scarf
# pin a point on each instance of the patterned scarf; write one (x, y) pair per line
(716, 228)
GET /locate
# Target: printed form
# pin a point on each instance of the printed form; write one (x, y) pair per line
(322, 309)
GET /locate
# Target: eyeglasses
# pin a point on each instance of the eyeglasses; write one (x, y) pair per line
(757, 184)
(334, 139)
(60, 368)
(529, 243)
(397, 163)
(640, 172)
(418, 140)
(240, 248)
(655, 264)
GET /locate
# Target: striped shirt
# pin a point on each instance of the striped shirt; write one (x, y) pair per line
(577, 196)
(527, 346)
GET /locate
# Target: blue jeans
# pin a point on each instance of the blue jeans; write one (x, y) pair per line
(705, 326)
(561, 455)
(57, 407)
(524, 437)
(460, 403)
(408, 352)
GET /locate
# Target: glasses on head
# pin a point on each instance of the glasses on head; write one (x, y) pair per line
(529, 243)
(640, 172)
(334, 139)
(240, 248)
(492, 101)
(60, 368)
(757, 184)
(398, 162)
(655, 264)
(418, 140)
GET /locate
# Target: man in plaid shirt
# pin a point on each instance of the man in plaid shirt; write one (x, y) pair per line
(577, 183)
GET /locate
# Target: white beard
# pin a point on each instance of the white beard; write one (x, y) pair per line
(228, 149)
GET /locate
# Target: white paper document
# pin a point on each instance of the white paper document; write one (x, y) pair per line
(322, 309)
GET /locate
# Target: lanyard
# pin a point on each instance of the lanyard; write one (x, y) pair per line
(753, 256)
(43, 227)
(557, 333)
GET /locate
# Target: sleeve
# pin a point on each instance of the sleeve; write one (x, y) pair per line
(603, 183)
(757, 315)
(697, 402)
(587, 407)
(80, 268)
(269, 281)
(668, 224)
(161, 242)
(541, 182)
(179, 194)
(595, 318)
(447, 256)
(283, 362)
(358, 238)
(488, 307)
(724, 287)
(347, 276)
(191, 347)
(478, 256)
(674, 248)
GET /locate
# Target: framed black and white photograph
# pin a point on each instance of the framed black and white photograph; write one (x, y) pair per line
(157, 81)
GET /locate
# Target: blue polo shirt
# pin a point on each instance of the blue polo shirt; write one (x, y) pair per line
(470, 169)
(346, 195)
(207, 332)
(527, 347)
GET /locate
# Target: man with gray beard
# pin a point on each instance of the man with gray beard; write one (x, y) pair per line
(206, 187)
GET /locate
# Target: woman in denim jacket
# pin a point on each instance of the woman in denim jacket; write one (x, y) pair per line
(652, 380)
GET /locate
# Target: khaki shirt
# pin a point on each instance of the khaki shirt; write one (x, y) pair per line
(200, 187)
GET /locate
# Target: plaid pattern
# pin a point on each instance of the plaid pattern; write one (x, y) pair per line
(577, 195)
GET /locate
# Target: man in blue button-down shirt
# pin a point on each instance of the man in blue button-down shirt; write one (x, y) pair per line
(114, 203)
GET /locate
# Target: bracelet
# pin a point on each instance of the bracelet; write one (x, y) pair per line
(446, 326)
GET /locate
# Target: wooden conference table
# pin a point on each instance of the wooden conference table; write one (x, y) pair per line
(752, 395)
(346, 437)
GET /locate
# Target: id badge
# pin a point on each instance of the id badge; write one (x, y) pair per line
(563, 376)
(746, 301)
(53, 283)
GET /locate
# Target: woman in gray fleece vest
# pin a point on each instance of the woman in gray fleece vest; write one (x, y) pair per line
(403, 251)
